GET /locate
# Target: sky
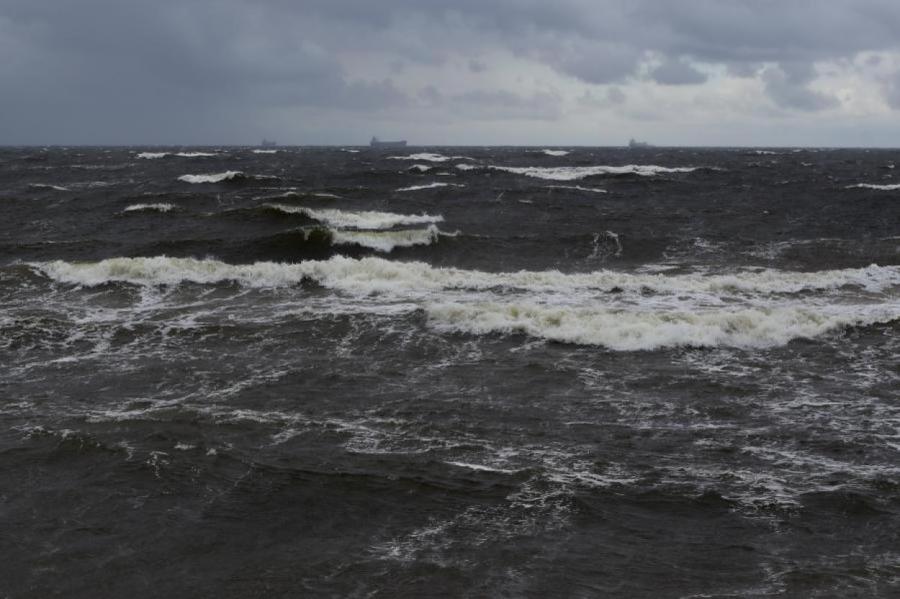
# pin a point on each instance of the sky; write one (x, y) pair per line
(451, 72)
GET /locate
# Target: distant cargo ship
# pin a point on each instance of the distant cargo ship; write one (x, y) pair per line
(268, 144)
(638, 144)
(377, 143)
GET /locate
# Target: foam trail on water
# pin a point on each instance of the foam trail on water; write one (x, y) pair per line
(578, 188)
(376, 275)
(359, 220)
(212, 178)
(429, 157)
(46, 186)
(572, 173)
(555, 152)
(646, 330)
(152, 155)
(386, 241)
(429, 186)
(160, 207)
(893, 187)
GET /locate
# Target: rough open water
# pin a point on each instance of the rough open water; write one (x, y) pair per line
(449, 372)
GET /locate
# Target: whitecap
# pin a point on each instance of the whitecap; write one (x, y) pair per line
(386, 241)
(365, 219)
(212, 178)
(892, 187)
(160, 207)
(624, 330)
(555, 152)
(46, 186)
(265, 151)
(578, 188)
(152, 155)
(429, 186)
(429, 157)
(572, 173)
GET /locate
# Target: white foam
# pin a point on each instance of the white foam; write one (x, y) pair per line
(422, 168)
(366, 219)
(386, 241)
(46, 186)
(578, 188)
(746, 309)
(265, 151)
(429, 186)
(195, 154)
(161, 207)
(893, 187)
(555, 152)
(429, 157)
(212, 178)
(646, 330)
(152, 155)
(572, 173)
(374, 275)
(466, 167)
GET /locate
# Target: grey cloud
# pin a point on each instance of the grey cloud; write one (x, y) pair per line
(610, 98)
(505, 105)
(127, 70)
(677, 72)
(476, 66)
(789, 90)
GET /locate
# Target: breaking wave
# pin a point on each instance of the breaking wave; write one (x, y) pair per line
(742, 310)
(646, 330)
(46, 186)
(214, 178)
(893, 187)
(578, 188)
(366, 219)
(376, 275)
(160, 207)
(573, 173)
(386, 241)
(156, 155)
(429, 186)
(429, 157)
(555, 152)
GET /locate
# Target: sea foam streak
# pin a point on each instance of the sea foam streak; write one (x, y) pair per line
(874, 186)
(213, 178)
(555, 152)
(572, 173)
(747, 309)
(359, 220)
(429, 186)
(645, 330)
(160, 207)
(386, 241)
(429, 157)
(46, 186)
(376, 275)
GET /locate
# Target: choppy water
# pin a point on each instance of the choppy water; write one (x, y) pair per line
(449, 372)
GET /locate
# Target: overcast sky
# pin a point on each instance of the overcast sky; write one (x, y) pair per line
(536, 72)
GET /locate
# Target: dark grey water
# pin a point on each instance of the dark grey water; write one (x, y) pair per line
(455, 372)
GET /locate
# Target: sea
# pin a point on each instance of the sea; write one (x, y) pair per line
(449, 372)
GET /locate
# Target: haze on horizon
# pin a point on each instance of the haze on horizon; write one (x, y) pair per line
(488, 72)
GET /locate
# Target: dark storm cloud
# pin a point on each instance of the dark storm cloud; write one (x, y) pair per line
(121, 70)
